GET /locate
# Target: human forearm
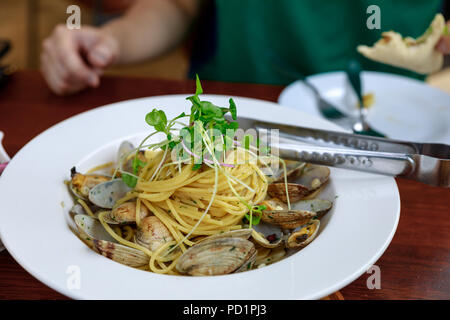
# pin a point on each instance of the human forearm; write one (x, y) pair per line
(151, 27)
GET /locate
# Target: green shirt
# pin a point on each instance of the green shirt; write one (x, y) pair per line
(310, 36)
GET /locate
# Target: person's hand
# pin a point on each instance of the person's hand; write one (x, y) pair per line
(72, 60)
(444, 43)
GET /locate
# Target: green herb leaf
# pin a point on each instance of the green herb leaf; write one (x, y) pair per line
(129, 180)
(157, 118)
(137, 164)
(233, 109)
(198, 86)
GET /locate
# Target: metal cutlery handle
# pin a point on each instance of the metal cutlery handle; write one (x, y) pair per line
(355, 141)
(386, 163)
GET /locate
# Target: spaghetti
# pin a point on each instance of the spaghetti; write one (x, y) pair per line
(192, 204)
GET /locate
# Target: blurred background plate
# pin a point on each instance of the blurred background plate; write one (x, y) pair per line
(403, 108)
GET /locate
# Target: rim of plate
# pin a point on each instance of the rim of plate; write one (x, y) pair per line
(48, 260)
(322, 82)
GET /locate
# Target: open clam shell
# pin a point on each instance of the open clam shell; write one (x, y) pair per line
(319, 206)
(311, 178)
(248, 265)
(303, 235)
(267, 235)
(126, 213)
(216, 257)
(106, 194)
(82, 184)
(95, 236)
(152, 233)
(239, 233)
(122, 254)
(278, 214)
(293, 170)
(125, 149)
(77, 209)
(91, 229)
(296, 191)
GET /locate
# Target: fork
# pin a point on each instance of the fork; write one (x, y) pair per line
(327, 109)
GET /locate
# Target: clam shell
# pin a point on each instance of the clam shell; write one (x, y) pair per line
(77, 209)
(303, 236)
(313, 176)
(293, 170)
(264, 230)
(80, 184)
(120, 253)
(152, 233)
(126, 213)
(91, 229)
(239, 233)
(105, 195)
(125, 149)
(319, 206)
(288, 219)
(248, 265)
(301, 212)
(296, 191)
(311, 179)
(95, 236)
(216, 257)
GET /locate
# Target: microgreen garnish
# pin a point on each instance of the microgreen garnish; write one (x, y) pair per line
(204, 140)
(129, 180)
(137, 164)
(254, 219)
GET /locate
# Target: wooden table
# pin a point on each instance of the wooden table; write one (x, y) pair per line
(415, 266)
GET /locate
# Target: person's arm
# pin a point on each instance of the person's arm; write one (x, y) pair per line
(72, 60)
(151, 27)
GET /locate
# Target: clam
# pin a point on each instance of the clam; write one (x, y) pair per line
(311, 179)
(262, 255)
(125, 213)
(267, 235)
(319, 206)
(296, 191)
(217, 257)
(81, 184)
(77, 209)
(313, 176)
(106, 194)
(248, 265)
(277, 212)
(92, 232)
(293, 170)
(125, 149)
(303, 235)
(152, 233)
(239, 233)
(276, 255)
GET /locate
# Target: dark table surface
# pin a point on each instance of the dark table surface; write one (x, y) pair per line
(416, 265)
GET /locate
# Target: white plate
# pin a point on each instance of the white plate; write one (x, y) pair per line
(35, 231)
(3, 158)
(404, 108)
